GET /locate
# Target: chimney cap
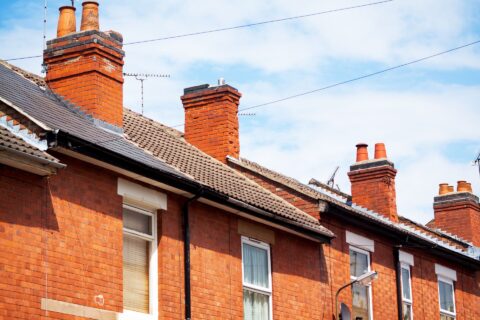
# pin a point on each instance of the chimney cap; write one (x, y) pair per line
(196, 88)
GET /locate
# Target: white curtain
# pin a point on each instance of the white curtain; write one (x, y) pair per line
(255, 305)
(255, 266)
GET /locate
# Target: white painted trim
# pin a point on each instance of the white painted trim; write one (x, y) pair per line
(370, 296)
(136, 193)
(450, 282)
(360, 241)
(445, 272)
(78, 310)
(406, 258)
(153, 272)
(250, 287)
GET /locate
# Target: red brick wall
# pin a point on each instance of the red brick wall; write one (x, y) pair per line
(60, 239)
(424, 280)
(89, 76)
(211, 121)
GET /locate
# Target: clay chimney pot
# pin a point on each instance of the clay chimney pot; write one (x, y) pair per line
(443, 189)
(90, 16)
(362, 152)
(380, 151)
(469, 187)
(451, 189)
(66, 21)
(462, 186)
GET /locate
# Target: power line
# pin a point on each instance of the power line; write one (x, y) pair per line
(258, 23)
(354, 79)
(234, 27)
(362, 77)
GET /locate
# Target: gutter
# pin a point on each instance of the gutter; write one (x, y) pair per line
(95, 151)
(186, 252)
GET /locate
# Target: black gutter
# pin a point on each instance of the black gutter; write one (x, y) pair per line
(186, 252)
(398, 280)
(87, 148)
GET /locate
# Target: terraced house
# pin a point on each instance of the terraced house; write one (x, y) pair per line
(106, 214)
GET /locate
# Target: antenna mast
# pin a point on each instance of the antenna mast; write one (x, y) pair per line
(45, 25)
(477, 162)
(144, 76)
(331, 181)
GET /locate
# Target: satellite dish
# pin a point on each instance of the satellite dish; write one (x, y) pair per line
(344, 312)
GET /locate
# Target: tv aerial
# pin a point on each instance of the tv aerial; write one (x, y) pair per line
(144, 76)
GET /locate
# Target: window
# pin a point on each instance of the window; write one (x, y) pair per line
(257, 281)
(447, 299)
(361, 295)
(406, 292)
(139, 262)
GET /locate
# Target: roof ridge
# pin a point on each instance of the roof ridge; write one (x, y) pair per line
(35, 78)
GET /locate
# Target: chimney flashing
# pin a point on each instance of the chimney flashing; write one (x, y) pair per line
(72, 41)
(373, 163)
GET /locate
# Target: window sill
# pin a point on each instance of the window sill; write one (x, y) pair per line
(132, 315)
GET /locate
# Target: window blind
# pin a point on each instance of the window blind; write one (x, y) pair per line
(136, 274)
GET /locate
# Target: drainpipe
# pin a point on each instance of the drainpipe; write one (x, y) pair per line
(186, 252)
(398, 280)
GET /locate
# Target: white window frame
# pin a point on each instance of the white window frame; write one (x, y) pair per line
(407, 267)
(254, 288)
(153, 264)
(450, 282)
(370, 301)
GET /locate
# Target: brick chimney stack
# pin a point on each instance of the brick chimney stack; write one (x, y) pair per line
(86, 67)
(373, 181)
(458, 212)
(211, 119)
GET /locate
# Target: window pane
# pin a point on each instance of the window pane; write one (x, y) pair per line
(406, 284)
(358, 263)
(446, 296)
(446, 317)
(255, 266)
(360, 302)
(137, 221)
(255, 306)
(407, 312)
(136, 274)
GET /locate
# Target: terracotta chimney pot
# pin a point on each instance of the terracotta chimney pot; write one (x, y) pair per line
(66, 21)
(90, 16)
(462, 186)
(451, 189)
(362, 152)
(469, 187)
(443, 189)
(380, 151)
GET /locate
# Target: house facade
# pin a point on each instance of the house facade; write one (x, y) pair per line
(106, 214)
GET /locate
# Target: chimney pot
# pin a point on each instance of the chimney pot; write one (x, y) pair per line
(66, 21)
(90, 16)
(221, 81)
(462, 186)
(451, 189)
(380, 151)
(362, 152)
(469, 187)
(443, 189)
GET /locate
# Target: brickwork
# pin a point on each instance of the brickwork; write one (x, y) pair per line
(211, 121)
(86, 69)
(374, 188)
(460, 217)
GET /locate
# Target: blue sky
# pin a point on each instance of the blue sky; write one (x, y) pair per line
(427, 114)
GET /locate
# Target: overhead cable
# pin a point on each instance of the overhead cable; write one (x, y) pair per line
(234, 27)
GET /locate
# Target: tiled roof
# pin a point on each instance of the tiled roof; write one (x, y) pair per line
(20, 90)
(435, 236)
(11, 141)
(168, 145)
(147, 142)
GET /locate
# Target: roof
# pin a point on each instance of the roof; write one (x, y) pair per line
(169, 145)
(31, 98)
(10, 141)
(405, 225)
(144, 141)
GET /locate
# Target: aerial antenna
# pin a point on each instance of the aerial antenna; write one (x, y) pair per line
(144, 76)
(331, 181)
(477, 162)
(45, 25)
